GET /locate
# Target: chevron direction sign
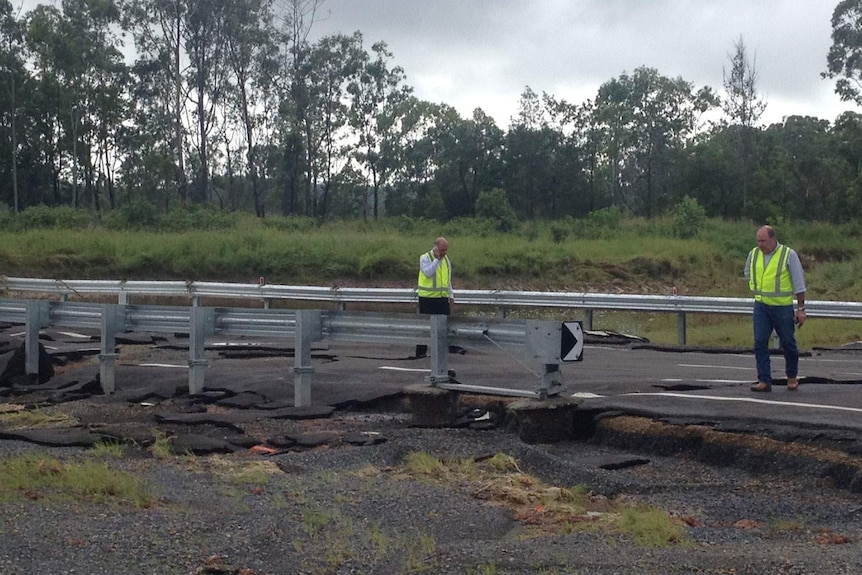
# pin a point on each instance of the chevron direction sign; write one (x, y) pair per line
(572, 341)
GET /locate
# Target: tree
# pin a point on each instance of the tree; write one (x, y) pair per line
(377, 95)
(532, 160)
(158, 30)
(648, 118)
(251, 58)
(12, 76)
(205, 37)
(298, 18)
(466, 158)
(744, 108)
(844, 60)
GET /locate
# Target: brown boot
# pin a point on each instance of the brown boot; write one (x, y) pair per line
(761, 386)
(792, 383)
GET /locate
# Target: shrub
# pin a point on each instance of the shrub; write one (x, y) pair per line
(608, 218)
(197, 217)
(559, 232)
(494, 205)
(688, 218)
(140, 214)
(290, 223)
(59, 217)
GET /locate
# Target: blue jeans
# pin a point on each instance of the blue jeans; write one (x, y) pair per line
(778, 318)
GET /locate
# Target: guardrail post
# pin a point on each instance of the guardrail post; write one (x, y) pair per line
(38, 314)
(307, 330)
(542, 340)
(113, 320)
(681, 328)
(439, 349)
(588, 319)
(202, 321)
(552, 380)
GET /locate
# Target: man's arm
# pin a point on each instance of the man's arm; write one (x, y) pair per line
(428, 265)
(797, 278)
(797, 274)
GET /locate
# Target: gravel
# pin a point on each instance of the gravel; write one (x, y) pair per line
(342, 509)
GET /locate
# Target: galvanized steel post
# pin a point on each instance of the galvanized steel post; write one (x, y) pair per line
(38, 315)
(308, 329)
(542, 339)
(681, 327)
(202, 321)
(439, 349)
(113, 320)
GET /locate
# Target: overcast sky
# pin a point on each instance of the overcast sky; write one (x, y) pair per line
(482, 53)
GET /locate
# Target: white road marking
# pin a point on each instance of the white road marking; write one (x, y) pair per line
(391, 368)
(73, 334)
(737, 399)
(166, 365)
(678, 380)
(714, 366)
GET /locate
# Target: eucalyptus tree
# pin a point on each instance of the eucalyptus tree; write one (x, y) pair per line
(813, 170)
(744, 107)
(13, 74)
(846, 142)
(157, 27)
(532, 160)
(647, 118)
(295, 167)
(205, 36)
(251, 55)
(412, 191)
(844, 60)
(583, 185)
(707, 173)
(376, 97)
(467, 158)
(332, 66)
(82, 72)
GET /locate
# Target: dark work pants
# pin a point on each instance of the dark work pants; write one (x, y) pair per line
(780, 319)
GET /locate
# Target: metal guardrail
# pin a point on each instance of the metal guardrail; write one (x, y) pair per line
(303, 326)
(342, 296)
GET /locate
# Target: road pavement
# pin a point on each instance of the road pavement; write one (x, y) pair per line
(637, 378)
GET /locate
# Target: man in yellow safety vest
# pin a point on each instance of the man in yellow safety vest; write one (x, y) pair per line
(435, 280)
(434, 286)
(775, 276)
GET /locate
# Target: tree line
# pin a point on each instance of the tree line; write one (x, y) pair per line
(229, 103)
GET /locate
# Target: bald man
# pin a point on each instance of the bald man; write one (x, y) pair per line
(776, 277)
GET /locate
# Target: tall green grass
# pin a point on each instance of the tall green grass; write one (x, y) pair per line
(602, 253)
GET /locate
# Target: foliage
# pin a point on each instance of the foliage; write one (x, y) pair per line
(197, 128)
(58, 218)
(197, 217)
(139, 214)
(688, 218)
(494, 205)
(845, 55)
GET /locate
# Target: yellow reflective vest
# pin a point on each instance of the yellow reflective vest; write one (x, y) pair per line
(437, 286)
(771, 283)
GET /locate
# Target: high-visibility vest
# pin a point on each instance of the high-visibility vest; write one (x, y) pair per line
(437, 286)
(771, 283)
